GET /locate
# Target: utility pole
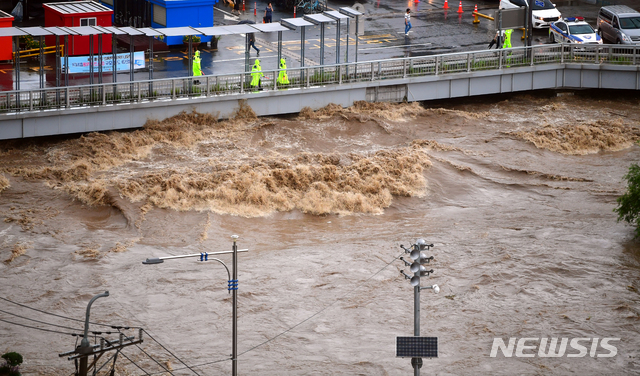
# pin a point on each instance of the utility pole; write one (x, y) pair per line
(85, 349)
(417, 347)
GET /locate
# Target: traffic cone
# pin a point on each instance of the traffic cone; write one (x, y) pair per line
(255, 8)
(460, 8)
(476, 8)
(294, 12)
(242, 6)
(446, 4)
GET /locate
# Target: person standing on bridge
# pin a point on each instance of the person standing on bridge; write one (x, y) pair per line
(507, 38)
(407, 22)
(197, 69)
(256, 75)
(283, 79)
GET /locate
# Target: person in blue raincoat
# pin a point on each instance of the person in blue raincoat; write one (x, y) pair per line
(256, 75)
(283, 79)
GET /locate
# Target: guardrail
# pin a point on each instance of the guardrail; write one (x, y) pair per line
(299, 78)
(36, 51)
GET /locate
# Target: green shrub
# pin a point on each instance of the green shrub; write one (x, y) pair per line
(13, 361)
(629, 203)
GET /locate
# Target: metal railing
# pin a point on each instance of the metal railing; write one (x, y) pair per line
(377, 70)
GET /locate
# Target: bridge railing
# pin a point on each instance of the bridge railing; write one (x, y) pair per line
(377, 70)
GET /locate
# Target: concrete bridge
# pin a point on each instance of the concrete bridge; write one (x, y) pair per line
(122, 105)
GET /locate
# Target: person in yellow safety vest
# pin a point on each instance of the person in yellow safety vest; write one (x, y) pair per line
(197, 70)
(256, 75)
(283, 79)
(507, 38)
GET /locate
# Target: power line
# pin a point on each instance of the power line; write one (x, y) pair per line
(40, 322)
(150, 336)
(134, 363)
(152, 358)
(305, 320)
(68, 318)
(315, 314)
(172, 354)
(35, 327)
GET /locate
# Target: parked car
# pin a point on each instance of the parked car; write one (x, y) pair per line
(544, 11)
(619, 24)
(573, 30)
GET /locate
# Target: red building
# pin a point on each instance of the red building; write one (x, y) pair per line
(79, 13)
(6, 44)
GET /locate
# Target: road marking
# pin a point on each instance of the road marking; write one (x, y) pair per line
(402, 45)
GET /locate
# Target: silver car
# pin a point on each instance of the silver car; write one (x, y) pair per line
(619, 24)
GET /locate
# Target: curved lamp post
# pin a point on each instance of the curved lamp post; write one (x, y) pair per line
(232, 286)
(85, 346)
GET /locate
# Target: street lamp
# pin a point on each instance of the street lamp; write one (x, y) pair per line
(417, 347)
(232, 286)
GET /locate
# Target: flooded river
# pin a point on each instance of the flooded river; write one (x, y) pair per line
(516, 193)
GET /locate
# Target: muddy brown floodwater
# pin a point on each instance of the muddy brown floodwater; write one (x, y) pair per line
(517, 194)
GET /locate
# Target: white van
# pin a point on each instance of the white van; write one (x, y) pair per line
(544, 12)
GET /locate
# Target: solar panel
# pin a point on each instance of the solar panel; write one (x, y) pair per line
(417, 347)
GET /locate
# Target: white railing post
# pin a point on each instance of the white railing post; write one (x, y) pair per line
(173, 89)
(469, 62)
(30, 100)
(532, 54)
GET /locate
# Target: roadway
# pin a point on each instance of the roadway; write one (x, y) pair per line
(435, 31)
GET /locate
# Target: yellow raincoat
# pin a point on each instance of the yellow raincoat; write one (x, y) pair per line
(256, 74)
(197, 70)
(282, 75)
(507, 38)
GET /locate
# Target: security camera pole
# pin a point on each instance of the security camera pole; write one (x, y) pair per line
(417, 347)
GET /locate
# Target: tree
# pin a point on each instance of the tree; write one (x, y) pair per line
(13, 361)
(629, 203)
